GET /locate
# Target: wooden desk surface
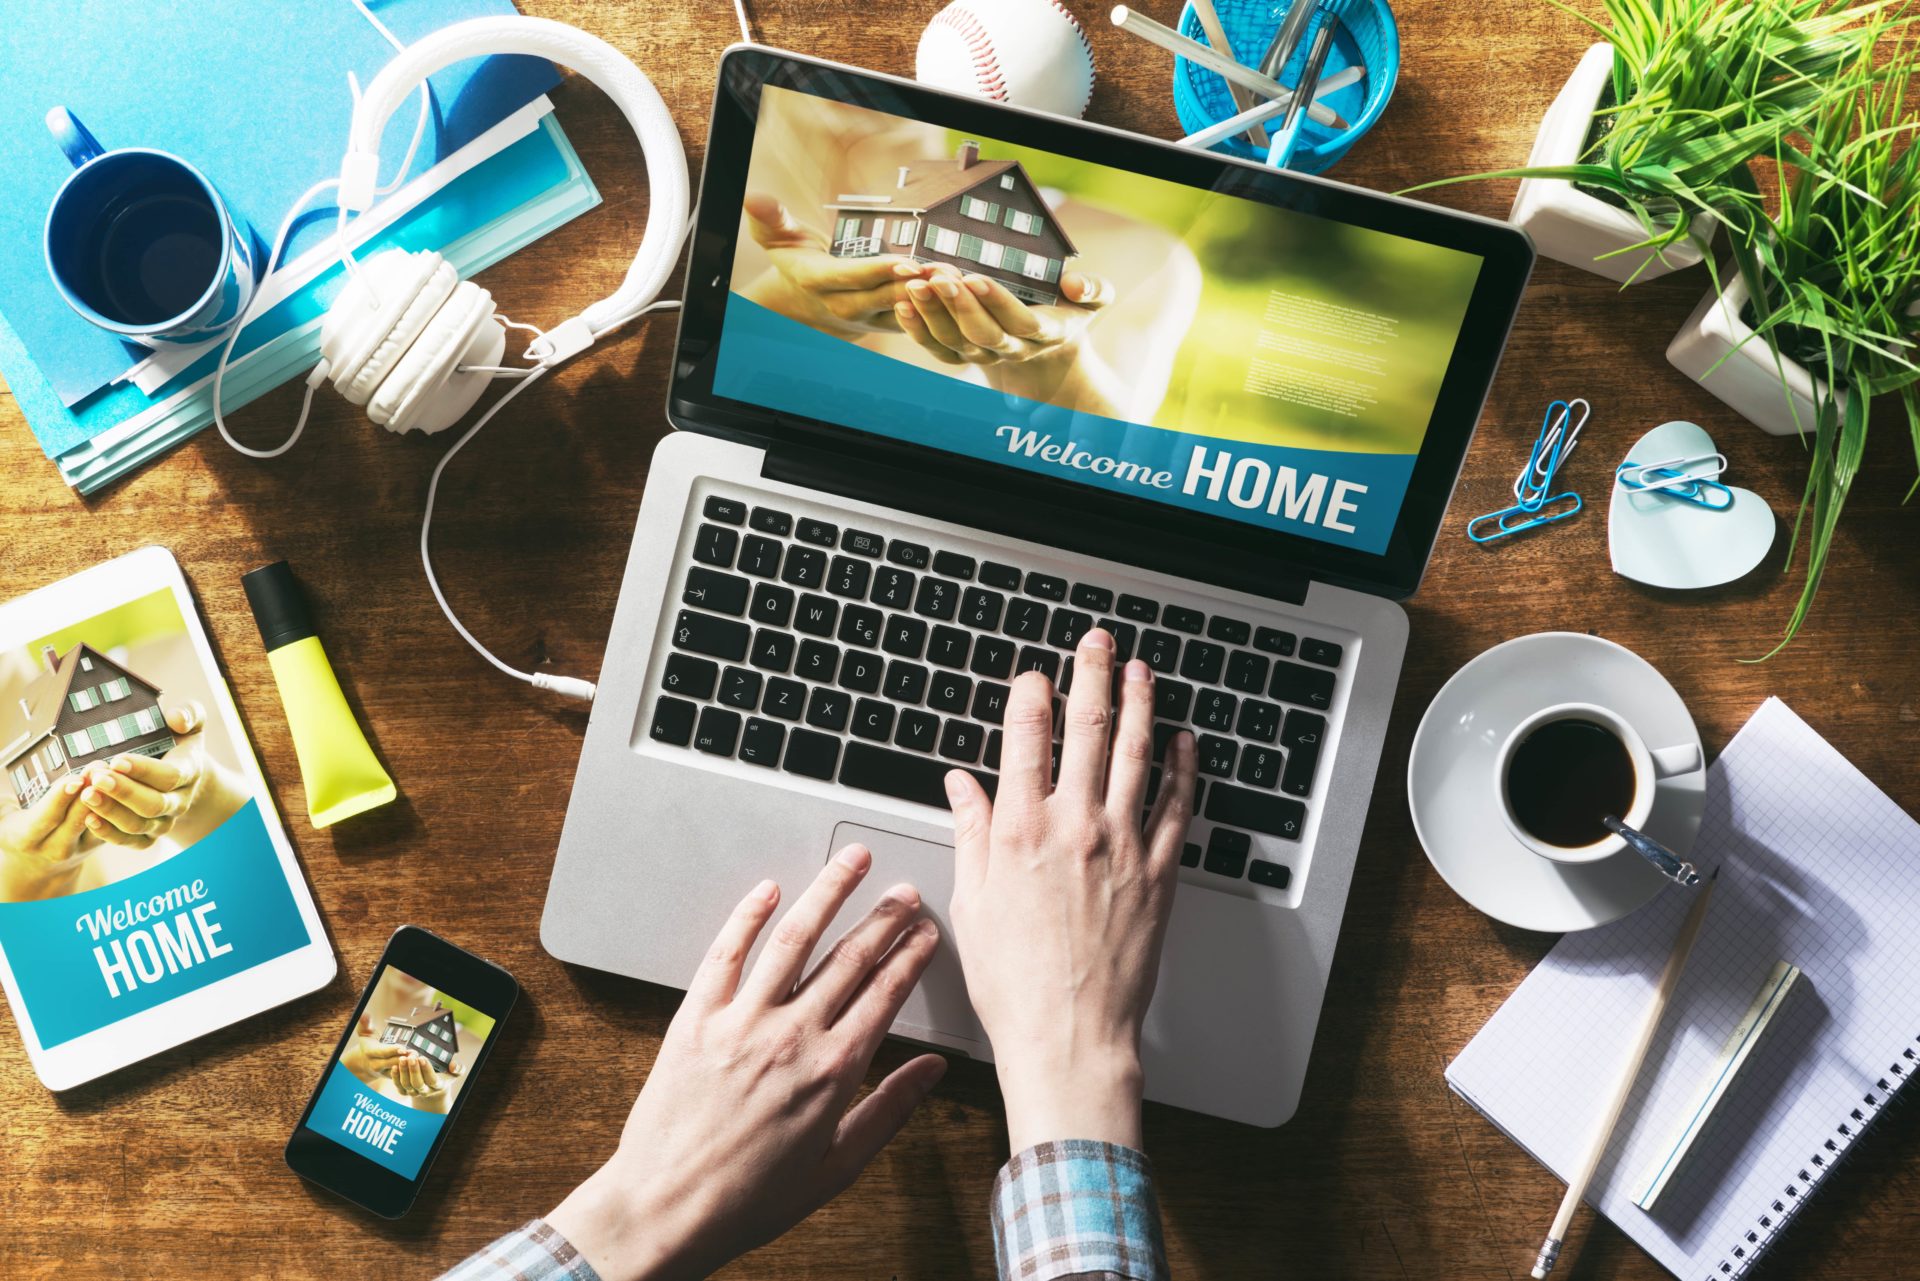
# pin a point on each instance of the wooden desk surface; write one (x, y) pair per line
(173, 1167)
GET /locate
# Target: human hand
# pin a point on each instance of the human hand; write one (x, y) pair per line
(1061, 898)
(811, 284)
(40, 851)
(366, 1057)
(742, 1129)
(973, 320)
(415, 1080)
(135, 800)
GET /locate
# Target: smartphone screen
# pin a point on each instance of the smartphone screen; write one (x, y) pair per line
(398, 1077)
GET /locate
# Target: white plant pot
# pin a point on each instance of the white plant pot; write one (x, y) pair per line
(1569, 225)
(1718, 349)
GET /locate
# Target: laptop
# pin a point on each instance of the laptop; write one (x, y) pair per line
(1214, 408)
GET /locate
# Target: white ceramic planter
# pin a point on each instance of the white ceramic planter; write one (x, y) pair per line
(1718, 350)
(1566, 223)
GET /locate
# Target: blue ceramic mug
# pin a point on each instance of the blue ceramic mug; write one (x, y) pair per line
(140, 243)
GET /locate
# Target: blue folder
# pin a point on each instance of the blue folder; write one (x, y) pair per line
(255, 94)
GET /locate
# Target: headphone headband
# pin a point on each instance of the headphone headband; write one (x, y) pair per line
(592, 58)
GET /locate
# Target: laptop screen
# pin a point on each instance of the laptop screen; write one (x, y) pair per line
(1098, 325)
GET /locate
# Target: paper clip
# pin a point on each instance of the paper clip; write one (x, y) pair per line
(1536, 504)
(1681, 478)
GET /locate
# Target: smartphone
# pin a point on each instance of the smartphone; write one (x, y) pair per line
(390, 1094)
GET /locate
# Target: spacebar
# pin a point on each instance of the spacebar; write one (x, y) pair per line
(911, 778)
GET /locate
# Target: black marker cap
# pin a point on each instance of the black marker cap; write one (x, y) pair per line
(279, 606)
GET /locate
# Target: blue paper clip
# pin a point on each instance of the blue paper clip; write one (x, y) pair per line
(1681, 478)
(1535, 502)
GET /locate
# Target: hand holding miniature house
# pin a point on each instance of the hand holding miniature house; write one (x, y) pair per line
(434, 1036)
(983, 216)
(82, 708)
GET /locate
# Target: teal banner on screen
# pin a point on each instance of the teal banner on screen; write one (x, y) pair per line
(88, 960)
(377, 1127)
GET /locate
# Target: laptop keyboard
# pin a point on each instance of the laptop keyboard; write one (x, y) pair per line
(833, 653)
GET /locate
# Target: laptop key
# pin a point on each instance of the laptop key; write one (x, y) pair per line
(811, 755)
(860, 670)
(689, 676)
(1161, 652)
(991, 757)
(1216, 755)
(816, 615)
(961, 741)
(1047, 585)
(912, 555)
(672, 721)
(861, 543)
(949, 692)
(898, 774)
(1139, 609)
(818, 661)
(1258, 720)
(771, 605)
(893, 588)
(1230, 630)
(1087, 596)
(710, 589)
(1202, 662)
(1182, 619)
(729, 511)
(1257, 811)
(1307, 686)
(715, 545)
(860, 625)
(1227, 852)
(717, 732)
(981, 608)
(1034, 659)
(872, 719)
(785, 699)
(906, 682)
(1247, 672)
(829, 708)
(1005, 577)
(1274, 876)
(817, 532)
(1326, 653)
(1068, 626)
(1213, 709)
(1163, 732)
(760, 742)
(990, 702)
(953, 565)
(905, 636)
(937, 598)
(759, 556)
(1273, 640)
(714, 637)
(849, 577)
(948, 648)
(1172, 700)
(769, 521)
(772, 650)
(1026, 620)
(805, 567)
(992, 656)
(1124, 635)
(918, 730)
(1259, 766)
(740, 688)
(1189, 855)
(1302, 736)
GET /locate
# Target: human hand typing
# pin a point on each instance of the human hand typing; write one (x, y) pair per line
(1061, 898)
(743, 1129)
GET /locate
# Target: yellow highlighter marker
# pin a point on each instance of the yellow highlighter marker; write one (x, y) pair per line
(341, 774)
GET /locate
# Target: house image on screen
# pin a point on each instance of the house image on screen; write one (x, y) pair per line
(983, 216)
(81, 708)
(433, 1034)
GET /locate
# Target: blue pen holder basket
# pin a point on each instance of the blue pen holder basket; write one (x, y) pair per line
(1368, 36)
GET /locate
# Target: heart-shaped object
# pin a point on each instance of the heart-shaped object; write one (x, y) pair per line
(1665, 541)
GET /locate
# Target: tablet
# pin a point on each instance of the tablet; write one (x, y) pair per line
(122, 935)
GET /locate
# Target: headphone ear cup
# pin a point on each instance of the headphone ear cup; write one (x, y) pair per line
(361, 342)
(425, 391)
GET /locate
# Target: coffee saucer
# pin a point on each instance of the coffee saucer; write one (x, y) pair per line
(1450, 780)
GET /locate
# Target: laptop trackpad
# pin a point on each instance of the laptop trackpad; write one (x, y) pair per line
(938, 1011)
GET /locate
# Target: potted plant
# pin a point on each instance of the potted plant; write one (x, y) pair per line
(1646, 149)
(1832, 292)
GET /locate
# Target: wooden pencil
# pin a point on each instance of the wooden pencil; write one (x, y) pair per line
(1217, 37)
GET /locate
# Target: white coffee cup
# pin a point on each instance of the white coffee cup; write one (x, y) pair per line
(1650, 765)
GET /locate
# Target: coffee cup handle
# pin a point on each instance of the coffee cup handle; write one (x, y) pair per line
(1668, 761)
(72, 137)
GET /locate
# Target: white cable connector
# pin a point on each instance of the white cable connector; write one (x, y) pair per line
(565, 686)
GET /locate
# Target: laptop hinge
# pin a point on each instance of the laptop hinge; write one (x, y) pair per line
(963, 503)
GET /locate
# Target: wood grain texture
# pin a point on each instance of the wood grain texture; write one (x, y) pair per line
(173, 1167)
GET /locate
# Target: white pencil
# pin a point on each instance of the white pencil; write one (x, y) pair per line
(1167, 38)
(1629, 1073)
(1217, 37)
(1268, 110)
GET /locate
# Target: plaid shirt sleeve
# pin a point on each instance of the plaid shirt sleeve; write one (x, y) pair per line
(1079, 1209)
(534, 1252)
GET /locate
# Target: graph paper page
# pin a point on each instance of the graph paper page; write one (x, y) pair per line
(1819, 868)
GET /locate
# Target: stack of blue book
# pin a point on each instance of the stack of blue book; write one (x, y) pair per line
(258, 99)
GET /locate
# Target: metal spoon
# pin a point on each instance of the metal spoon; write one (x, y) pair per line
(1670, 865)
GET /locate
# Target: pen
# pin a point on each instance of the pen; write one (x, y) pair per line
(1292, 27)
(1288, 139)
(1217, 37)
(1268, 110)
(1193, 51)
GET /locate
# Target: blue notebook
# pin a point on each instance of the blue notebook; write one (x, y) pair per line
(253, 94)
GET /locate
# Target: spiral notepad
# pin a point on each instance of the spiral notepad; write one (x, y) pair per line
(1818, 867)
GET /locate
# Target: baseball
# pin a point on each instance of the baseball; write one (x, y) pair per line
(1032, 53)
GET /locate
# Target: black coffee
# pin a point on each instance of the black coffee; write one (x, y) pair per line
(1565, 777)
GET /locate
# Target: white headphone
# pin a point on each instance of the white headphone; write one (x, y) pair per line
(413, 342)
